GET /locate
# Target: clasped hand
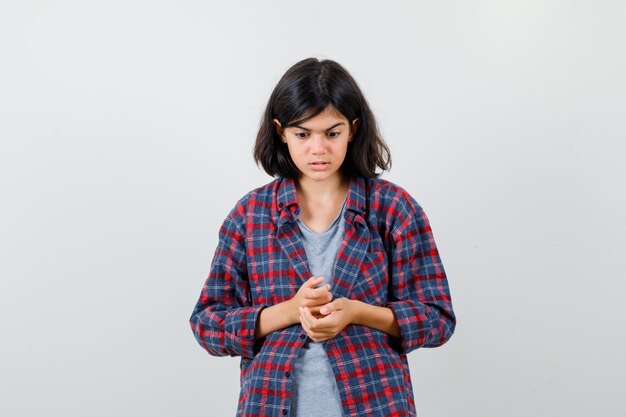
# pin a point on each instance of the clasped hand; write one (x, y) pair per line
(321, 316)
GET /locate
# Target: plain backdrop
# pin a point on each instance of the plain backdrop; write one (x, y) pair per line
(126, 137)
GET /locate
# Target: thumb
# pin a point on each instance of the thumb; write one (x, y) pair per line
(329, 308)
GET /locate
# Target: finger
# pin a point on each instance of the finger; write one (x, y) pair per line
(320, 326)
(319, 335)
(322, 289)
(327, 323)
(315, 311)
(304, 319)
(314, 307)
(319, 338)
(330, 307)
(313, 334)
(312, 282)
(319, 292)
(311, 321)
(306, 325)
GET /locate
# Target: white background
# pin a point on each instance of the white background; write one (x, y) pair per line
(126, 136)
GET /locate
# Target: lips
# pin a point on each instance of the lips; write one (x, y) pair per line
(319, 165)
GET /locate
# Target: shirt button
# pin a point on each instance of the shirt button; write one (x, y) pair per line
(284, 412)
(287, 374)
(280, 204)
(302, 336)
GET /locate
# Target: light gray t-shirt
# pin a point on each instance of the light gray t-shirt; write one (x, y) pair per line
(315, 390)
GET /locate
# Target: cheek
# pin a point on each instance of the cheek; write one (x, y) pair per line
(298, 156)
(341, 151)
(294, 153)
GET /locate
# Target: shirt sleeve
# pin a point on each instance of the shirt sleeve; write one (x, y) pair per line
(223, 320)
(419, 292)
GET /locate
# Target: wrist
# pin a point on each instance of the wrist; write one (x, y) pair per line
(290, 309)
(356, 311)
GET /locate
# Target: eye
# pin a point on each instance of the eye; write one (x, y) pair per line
(334, 134)
(301, 135)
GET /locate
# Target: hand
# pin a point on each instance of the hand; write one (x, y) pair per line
(335, 316)
(311, 297)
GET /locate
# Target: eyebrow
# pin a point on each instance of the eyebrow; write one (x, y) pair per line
(308, 130)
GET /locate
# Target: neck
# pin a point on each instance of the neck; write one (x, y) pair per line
(331, 188)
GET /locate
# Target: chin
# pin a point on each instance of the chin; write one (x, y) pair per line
(320, 176)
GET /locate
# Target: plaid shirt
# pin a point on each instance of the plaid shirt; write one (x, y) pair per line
(388, 258)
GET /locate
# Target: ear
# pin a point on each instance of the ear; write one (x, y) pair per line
(353, 127)
(279, 130)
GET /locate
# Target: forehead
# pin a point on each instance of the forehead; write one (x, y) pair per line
(328, 116)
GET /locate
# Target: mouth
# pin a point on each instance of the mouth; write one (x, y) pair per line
(319, 165)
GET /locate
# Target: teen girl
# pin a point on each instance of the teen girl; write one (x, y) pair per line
(325, 278)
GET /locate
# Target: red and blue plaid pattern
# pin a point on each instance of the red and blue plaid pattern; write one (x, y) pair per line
(388, 258)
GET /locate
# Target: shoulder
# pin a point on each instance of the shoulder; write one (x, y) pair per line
(256, 201)
(385, 195)
(394, 209)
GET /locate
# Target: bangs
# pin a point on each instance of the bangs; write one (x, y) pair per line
(312, 112)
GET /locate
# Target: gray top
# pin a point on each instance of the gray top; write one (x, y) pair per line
(314, 389)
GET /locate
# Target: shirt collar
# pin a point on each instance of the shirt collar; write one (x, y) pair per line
(287, 199)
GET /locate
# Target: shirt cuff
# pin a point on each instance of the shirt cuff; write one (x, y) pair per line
(413, 323)
(239, 331)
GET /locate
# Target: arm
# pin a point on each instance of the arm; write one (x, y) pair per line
(223, 321)
(275, 318)
(379, 318)
(419, 293)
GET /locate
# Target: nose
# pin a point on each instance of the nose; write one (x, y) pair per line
(318, 145)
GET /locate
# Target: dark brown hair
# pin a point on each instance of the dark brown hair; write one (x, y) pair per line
(308, 88)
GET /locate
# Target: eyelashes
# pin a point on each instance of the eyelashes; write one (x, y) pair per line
(332, 135)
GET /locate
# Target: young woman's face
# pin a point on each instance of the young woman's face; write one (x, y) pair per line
(318, 146)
